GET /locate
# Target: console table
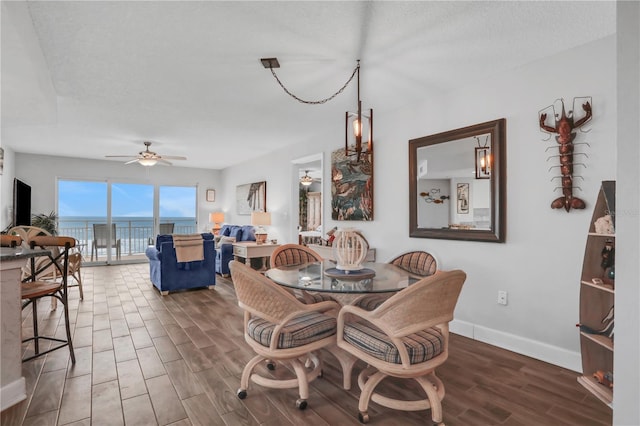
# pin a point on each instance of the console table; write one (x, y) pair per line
(326, 252)
(252, 250)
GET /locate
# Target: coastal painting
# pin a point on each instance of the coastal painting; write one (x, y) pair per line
(251, 197)
(351, 187)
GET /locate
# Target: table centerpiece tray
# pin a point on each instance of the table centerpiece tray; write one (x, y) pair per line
(359, 274)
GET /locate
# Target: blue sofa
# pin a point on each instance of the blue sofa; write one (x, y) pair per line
(224, 254)
(169, 275)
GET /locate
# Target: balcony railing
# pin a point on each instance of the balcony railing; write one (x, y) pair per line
(134, 235)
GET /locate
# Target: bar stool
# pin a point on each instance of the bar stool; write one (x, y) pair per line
(10, 240)
(34, 289)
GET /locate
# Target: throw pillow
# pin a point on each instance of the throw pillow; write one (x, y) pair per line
(224, 240)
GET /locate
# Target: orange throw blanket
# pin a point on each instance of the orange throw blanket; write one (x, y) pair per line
(189, 248)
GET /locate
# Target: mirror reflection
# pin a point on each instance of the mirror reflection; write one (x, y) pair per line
(450, 195)
(457, 184)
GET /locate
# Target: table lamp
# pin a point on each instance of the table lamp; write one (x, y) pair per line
(216, 218)
(260, 219)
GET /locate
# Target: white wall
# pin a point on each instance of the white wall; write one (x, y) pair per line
(540, 263)
(626, 358)
(6, 188)
(41, 171)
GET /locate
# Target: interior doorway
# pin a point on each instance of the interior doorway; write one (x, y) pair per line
(307, 216)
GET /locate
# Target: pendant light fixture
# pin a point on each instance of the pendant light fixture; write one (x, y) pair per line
(306, 180)
(358, 126)
(483, 159)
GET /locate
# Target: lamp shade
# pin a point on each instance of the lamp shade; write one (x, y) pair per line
(260, 218)
(216, 217)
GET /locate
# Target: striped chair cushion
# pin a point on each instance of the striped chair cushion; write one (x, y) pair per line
(300, 331)
(315, 298)
(417, 262)
(371, 302)
(293, 257)
(421, 346)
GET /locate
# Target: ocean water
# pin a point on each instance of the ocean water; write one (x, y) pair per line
(135, 233)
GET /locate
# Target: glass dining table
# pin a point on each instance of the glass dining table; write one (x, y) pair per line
(344, 286)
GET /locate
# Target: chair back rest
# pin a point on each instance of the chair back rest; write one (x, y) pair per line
(260, 296)
(10, 240)
(27, 233)
(416, 262)
(101, 234)
(293, 254)
(427, 303)
(166, 228)
(56, 257)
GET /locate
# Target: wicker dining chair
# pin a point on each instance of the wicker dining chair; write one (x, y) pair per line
(407, 337)
(296, 254)
(419, 263)
(278, 327)
(33, 289)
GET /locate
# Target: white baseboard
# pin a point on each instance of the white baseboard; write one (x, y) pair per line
(13, 393)
(531, 348)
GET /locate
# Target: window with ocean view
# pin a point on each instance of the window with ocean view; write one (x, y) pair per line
(137, 213)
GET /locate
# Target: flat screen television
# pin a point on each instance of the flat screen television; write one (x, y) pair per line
(21, 203)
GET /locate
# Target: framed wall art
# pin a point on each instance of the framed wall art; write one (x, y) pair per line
(211, 194)
(251, 197)
(351, 187)
(463, 198)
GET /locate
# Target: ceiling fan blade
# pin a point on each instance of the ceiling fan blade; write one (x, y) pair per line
(135, 160)
(173, 157)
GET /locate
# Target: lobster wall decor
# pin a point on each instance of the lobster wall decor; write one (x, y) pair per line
(564, 126)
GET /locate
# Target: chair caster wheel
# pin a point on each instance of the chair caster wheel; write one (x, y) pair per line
(242, 394)
(363, 417)
(271, 366)
(301, 404)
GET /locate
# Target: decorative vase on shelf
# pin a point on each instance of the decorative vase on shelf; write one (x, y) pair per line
(611, 273)
(349, 249)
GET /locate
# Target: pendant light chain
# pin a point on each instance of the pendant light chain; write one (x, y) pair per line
(322, 101)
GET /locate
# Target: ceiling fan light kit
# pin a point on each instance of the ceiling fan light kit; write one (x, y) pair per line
(306, 180)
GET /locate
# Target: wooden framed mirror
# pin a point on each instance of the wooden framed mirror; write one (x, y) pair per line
(454, 192)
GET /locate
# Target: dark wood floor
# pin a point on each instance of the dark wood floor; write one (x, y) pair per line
(144, 359)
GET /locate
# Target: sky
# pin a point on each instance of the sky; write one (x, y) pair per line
(82, 198)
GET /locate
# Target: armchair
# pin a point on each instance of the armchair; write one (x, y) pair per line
(167, 274)
(406, 337)
(280, 328)
(224, 252)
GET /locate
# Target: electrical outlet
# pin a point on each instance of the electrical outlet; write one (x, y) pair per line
(502, 297)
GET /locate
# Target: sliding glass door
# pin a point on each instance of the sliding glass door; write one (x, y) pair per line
(177, 210)
(115, 222)
(132, 218)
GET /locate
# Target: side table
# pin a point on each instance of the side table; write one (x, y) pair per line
(252, 250)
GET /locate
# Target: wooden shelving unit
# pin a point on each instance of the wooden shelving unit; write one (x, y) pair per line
(596, 300)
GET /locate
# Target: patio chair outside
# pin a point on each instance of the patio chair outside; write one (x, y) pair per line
(101, 239)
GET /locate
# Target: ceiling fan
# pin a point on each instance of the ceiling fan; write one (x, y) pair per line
(148, 158)
(307, 180)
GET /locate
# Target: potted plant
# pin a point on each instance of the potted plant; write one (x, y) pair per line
(48, 222)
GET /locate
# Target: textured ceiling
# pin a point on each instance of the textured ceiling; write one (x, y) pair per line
(89, 79)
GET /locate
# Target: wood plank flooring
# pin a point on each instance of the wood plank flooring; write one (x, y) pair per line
(144, 359)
